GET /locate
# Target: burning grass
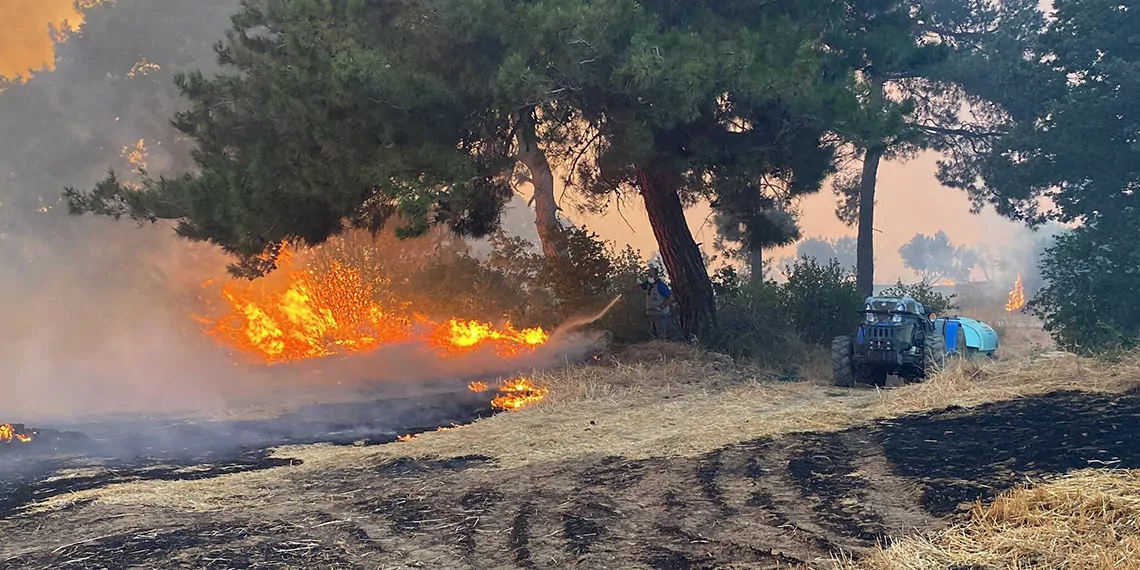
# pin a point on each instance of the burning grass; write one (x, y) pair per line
(10, 433)
(1016, 296)
(304, 314)
(668, 400)
(518, 393)
(1088, 519)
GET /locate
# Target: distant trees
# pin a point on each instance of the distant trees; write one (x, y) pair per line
(935, 260)
(824, 251)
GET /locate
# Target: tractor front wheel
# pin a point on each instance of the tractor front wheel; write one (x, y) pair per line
(842, 369)
(935, 349)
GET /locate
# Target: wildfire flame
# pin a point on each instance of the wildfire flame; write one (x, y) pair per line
(331, 312)
(135, 154)
(1016, 297)
(10, 433)
(517, 394)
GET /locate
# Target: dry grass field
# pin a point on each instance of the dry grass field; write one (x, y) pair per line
(660, 457)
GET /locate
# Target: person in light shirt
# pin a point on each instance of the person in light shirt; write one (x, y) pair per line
(659, 301)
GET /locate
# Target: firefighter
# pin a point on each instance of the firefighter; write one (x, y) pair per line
(659, 301)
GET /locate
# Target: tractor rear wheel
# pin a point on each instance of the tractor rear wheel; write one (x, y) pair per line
(935, 357)
(842, 369)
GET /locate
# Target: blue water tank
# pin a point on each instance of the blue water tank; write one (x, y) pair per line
(979, 336)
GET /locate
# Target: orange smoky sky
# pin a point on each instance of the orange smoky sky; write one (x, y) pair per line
(26, 43)
(910, 200)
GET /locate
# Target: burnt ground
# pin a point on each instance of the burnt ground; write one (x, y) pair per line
(757, 504)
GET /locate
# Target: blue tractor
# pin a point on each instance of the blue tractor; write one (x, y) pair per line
(896, 337)
(899, 337)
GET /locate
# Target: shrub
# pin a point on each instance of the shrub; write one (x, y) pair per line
(1089, 302)
(580, 281)
(465, 288)
(754, 326)
(626, 320)
(820, 302)
(727, 282)
(590, 276)
(923, 293)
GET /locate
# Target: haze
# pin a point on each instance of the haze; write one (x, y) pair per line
(85, 337)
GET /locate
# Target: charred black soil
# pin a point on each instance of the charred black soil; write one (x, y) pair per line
(180, 451)
(758, 504)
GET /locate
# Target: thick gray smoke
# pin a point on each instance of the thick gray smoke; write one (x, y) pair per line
(98, 315)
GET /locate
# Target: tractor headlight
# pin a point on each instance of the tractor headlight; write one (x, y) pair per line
(896, 319)
(869, 318)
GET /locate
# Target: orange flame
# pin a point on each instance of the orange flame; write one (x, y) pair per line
(1016, 297)
(517, 394)
(10, 433)
(467, 334)
(333, 312)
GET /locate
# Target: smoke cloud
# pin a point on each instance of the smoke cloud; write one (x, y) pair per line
(100, 315)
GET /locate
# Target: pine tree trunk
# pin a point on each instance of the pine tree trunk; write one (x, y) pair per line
(542, 179)
(865, 250)
(756, 265)
(679, 251)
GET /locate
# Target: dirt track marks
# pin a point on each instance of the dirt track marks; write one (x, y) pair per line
(761, 504)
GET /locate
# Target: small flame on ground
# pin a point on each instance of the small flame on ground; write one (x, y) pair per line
(10, 433)
(517, 394)
(406, 437)
(1016, 297)
(477, 387)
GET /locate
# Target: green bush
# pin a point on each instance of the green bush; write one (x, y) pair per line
(1092, 274)
(465, 288)
(753, 324)
(626, 320)
(584, 281)
(923, 293)
(727, 281)
(580, 281)
(820, 302)
(776, 324)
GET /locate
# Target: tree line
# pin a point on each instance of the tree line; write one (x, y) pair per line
(329, 115)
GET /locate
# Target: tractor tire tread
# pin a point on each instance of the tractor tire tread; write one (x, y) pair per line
(842, 368)
(935, 349)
